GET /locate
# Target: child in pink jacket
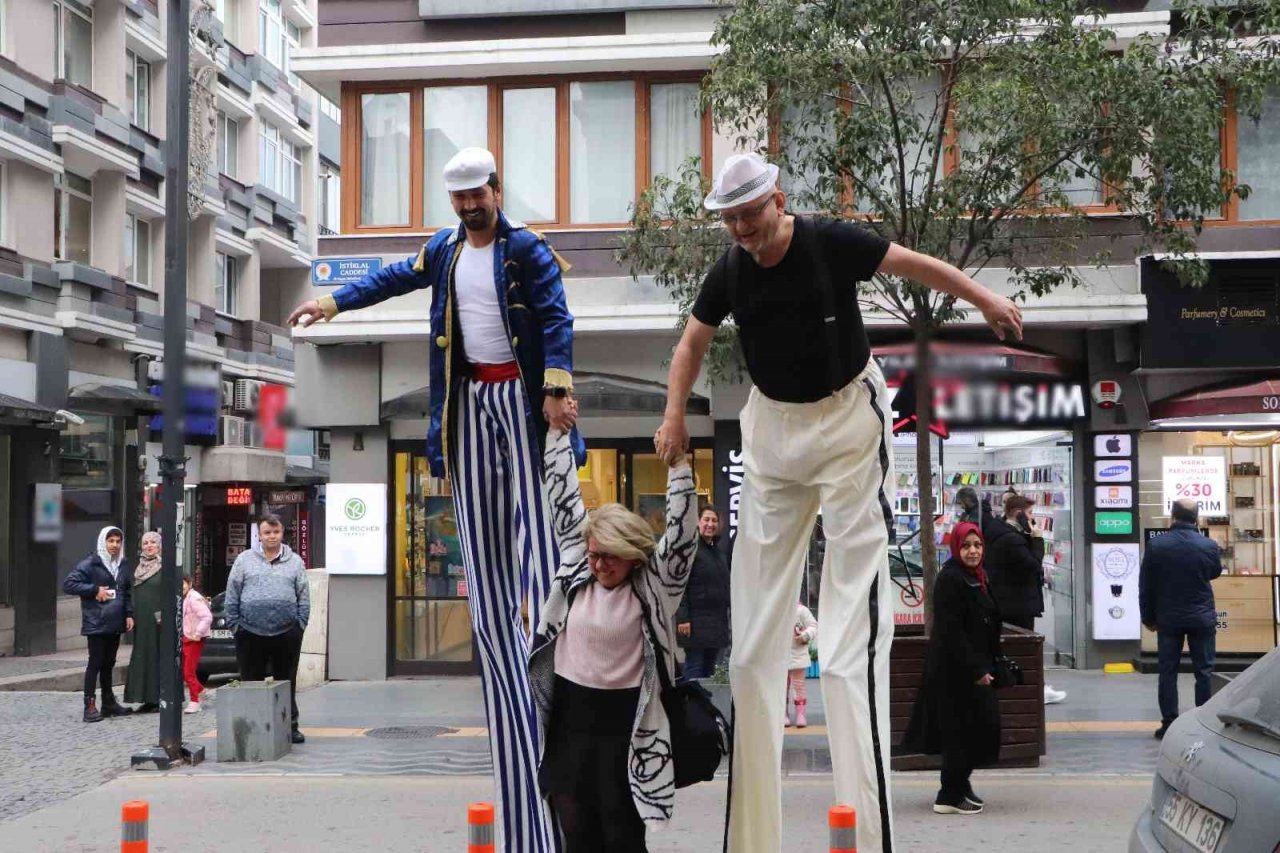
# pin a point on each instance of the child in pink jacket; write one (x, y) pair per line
(197, 621)
(803, 633)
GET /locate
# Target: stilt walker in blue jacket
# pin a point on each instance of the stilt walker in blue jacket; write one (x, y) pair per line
(500, 374)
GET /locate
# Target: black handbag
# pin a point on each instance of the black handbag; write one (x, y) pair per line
(699, 732)
(1008, 673)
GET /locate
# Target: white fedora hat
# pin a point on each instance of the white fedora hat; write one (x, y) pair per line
(742, 178)
(468, 169)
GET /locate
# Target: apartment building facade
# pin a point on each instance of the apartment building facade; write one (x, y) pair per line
(583, 102)
(83, 222)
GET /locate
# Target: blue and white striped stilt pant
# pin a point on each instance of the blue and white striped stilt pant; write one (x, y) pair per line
(510, 556)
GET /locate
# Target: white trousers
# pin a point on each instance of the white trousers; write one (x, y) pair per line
(833, 454)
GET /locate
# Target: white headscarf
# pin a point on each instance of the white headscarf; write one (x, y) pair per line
(112, 563)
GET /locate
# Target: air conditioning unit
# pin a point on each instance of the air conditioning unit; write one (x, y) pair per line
(252, 434)
(247, 392)
(231, 431)
(228, 394)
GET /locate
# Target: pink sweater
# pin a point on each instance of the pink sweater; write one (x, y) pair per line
(601, 645)
(197, 620)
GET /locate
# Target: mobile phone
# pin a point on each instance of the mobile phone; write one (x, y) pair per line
(111, 593)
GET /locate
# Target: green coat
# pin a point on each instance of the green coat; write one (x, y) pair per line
(143, 683)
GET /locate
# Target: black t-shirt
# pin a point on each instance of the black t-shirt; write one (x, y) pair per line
(779, 310)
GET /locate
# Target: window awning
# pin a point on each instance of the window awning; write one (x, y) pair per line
(601, 394)
(1253, 398)
(17, 411)
(112, 399)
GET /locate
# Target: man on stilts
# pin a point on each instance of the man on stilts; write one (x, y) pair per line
(500, 373)
(816, 434)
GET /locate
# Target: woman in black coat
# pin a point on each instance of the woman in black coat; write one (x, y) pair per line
(956, 714)
(702, 619)
(103, 581)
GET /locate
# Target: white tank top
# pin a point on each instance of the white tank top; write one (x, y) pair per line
(484, 334)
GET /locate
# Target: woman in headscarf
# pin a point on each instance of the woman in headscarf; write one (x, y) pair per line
(143, 683)
(102, 581)
(956, 714)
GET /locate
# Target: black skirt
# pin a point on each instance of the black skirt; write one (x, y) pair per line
(588, 742)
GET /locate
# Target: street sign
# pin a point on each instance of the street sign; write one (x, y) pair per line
(343, 270)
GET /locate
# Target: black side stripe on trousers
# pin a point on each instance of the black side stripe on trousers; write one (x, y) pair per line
(873, 610)
(885, 509)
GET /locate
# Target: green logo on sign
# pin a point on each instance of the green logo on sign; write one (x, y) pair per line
(1113, 523)
(355, 509)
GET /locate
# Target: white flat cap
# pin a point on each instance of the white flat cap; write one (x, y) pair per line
(742, 178)
(468, 169)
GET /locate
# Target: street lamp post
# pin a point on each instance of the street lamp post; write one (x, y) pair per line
(171, 750)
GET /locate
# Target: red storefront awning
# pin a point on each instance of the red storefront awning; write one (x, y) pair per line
(1254, 398)
(979, 357)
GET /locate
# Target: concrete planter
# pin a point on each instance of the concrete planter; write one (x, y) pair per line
(253, 721)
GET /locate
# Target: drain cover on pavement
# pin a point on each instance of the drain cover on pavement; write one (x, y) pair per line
(409, 732)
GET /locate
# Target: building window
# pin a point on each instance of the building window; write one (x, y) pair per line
(72, 218)
(226, 282)
(529, 168)
(138, 90)
(1258, 161)
(329, 194)
(384, 159)
(329, 108)
(455, 117)
(281, 163)
(137, 250)
(569, 151)
(278, 37)
(4, 204)
(602, 150)
(227, 11)
(85, 458)
(73, 42)
(228, 143)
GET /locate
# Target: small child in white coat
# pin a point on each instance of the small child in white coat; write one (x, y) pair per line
(803, 633)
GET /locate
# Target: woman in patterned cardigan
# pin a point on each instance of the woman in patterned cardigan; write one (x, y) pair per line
(606, 744)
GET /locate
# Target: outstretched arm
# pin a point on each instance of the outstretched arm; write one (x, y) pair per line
(395, 280)
(1001, 314)
(673, 558)
(686, 364)
(564, 496)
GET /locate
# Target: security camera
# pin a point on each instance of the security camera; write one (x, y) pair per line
(63, 416)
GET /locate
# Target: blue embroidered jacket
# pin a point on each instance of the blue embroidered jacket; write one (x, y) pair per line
(526, 275)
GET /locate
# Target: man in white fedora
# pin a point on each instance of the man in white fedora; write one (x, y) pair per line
(500, 373)
(815, 434)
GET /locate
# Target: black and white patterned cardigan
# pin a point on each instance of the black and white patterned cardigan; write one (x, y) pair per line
(659, 586)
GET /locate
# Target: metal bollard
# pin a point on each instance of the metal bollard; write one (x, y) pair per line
(843, 824)
(133, 826)
(480, 828)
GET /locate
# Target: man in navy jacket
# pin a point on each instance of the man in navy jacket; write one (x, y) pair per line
(500, 373)
(1177, 602)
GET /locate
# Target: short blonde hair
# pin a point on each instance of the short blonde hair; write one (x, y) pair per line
(620, 532)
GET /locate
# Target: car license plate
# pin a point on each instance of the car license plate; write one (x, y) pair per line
(221, 634)
(1195, 824)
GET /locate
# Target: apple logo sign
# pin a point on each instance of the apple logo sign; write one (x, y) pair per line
(1113, 444)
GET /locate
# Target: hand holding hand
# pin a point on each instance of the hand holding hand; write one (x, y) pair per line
(561, 412)
(1003, 316)
(671, 440)
(308, 313)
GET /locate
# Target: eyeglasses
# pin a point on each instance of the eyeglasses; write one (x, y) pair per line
(732, 219)
(597, 557)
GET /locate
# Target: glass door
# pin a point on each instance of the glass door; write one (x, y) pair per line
(431, 622)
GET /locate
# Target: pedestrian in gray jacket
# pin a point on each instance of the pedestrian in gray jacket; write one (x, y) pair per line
(267, 605)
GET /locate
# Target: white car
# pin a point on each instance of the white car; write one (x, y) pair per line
(1217, 784)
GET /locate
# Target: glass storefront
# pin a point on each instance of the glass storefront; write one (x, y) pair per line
(431, 625)
(1235, 477)
(1038, 465)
